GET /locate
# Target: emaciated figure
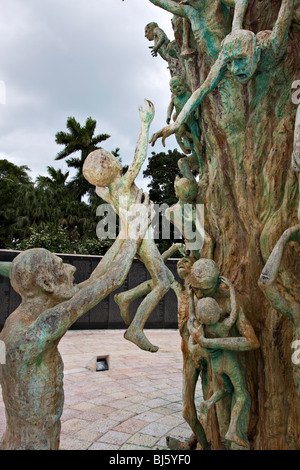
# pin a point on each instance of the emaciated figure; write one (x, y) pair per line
(32, 378)
(161, 41)
(210, 21)
(104, 171)
(243, 54)
(205, 281)
(228, 376)
(189, 135)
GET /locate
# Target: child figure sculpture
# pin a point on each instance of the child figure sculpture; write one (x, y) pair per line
(227, 373)
(104, 171)
(189, 134)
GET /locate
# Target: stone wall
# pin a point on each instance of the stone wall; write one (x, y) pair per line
(106, 315)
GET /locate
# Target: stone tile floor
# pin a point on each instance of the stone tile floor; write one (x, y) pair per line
(132, 406)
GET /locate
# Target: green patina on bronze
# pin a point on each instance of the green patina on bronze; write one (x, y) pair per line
(32, 375)
(246, 60)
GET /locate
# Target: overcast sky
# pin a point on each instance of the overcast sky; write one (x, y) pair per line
(80, 58)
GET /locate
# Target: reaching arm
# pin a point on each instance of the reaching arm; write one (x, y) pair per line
(141, 147)
(105, 262)
(53, 323)
(281, 28)
(170, 110)
(239, 14)
(230, 321)
(270, 271)
(296, 147)
(214, 77)
(246, 342)
(159, 39)
(172, 7)
(168, 253)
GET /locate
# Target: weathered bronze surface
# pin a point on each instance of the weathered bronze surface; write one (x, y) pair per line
(245, 61)
(32, 375)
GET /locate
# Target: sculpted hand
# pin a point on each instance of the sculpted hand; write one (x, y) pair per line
(164, 133)
(153, 51)
(147, 115)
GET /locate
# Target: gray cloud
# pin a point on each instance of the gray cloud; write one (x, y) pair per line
(63, 58)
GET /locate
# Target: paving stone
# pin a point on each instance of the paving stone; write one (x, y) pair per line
(114, 437)
(140, 394)
(103, 446)
(131, 426)
(156, 429)
(144, 440)
(72, 425)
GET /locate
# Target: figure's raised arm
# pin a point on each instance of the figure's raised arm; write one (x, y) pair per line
(140, 155)
(171, 6)
(213, 78)
(239, 14)
(54, 322)
(246, 342)
(270, 271)
(281, 28)
(230, 321)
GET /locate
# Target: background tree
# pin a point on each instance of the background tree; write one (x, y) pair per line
(13, 181)
(79, 139)
(162, 170)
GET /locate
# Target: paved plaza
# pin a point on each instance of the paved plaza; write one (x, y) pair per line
(133, 405)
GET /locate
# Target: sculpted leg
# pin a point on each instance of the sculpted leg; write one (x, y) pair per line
(190, 377)
(242, 405)
(162, 279)
(124, 299)
(205, 406)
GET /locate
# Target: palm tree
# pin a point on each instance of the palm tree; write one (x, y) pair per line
(55, 179)
(78, 139)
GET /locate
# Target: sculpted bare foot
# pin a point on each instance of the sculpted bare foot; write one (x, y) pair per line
(203, 413)
(124, 306)
(234, 437)
(138, 338)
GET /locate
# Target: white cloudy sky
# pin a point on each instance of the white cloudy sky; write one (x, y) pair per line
(80, 58)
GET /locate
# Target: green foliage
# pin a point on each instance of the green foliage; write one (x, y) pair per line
(162, 169)
(57, 240)
(79, 139)
(49, 212)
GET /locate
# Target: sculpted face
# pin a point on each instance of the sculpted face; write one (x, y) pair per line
(241, 54)
(149, 31)
(184, 267)
(63, 288)
(208, 311)
(176, 86)
(38, 272)
(205, 278)
(185, 190)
